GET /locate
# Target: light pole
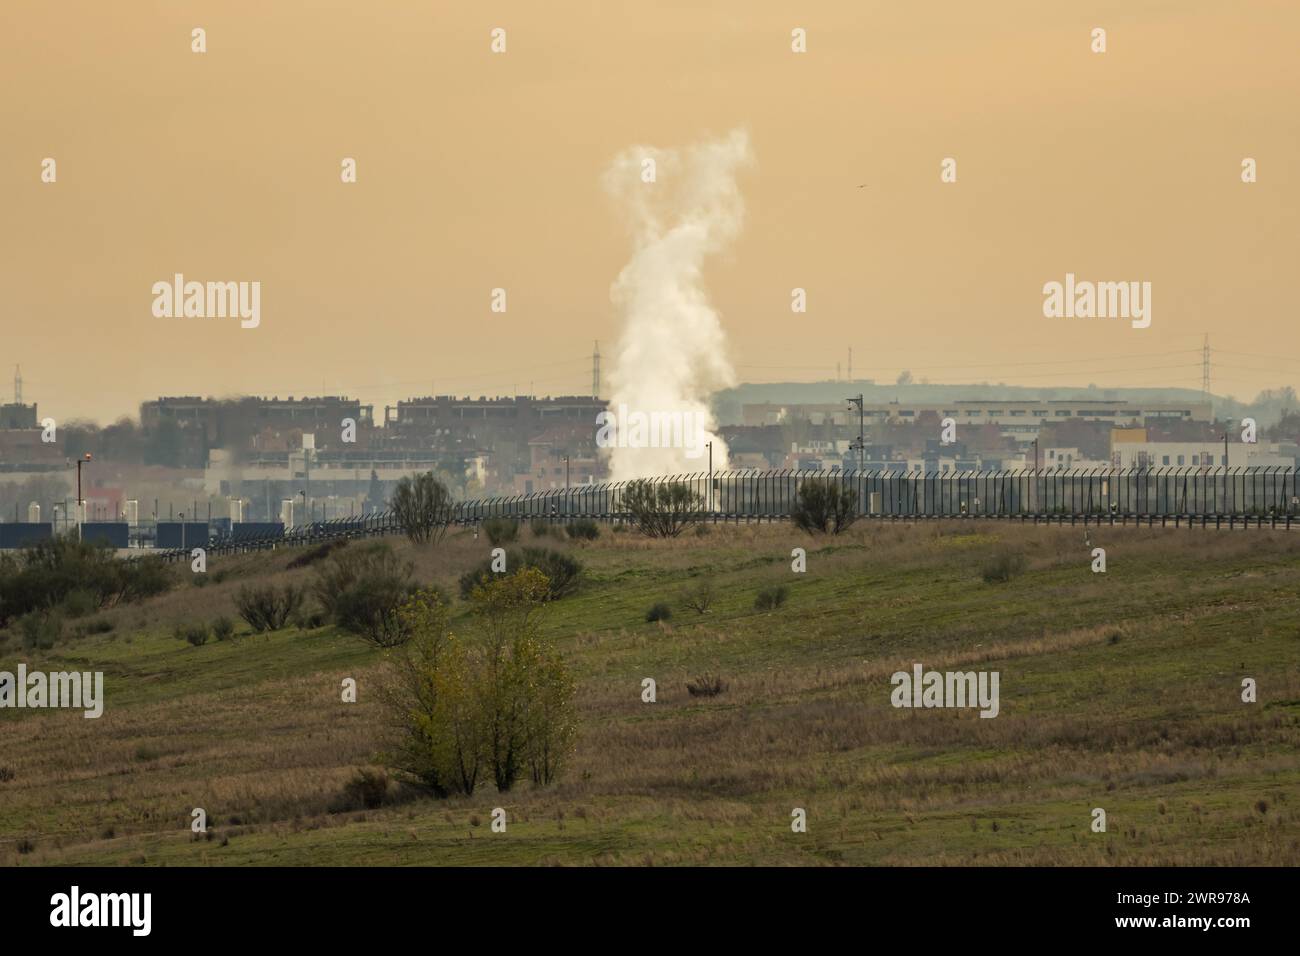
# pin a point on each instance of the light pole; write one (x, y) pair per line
(862, 437)
(303, 492)
(709, 445)
(80, 461)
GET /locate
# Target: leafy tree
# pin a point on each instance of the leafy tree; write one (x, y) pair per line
(431, 704)
(499, 704)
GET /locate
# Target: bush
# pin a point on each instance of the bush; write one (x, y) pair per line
(661, 509)
(79, 602)
(86, 574)
(97, 626)
(361, 588)
(1003, 566)
(318, 553)
(563, 573)
(583, 529)
(659, 612)
(41, 629)
(423, 507)
(6, 774)
(771, 598)
(824, 505)
(501, 531)
(223, 628)
(268, 608)
(706, 685)
(197, 635)
(698, 597)
(539, 527)
(367, 790)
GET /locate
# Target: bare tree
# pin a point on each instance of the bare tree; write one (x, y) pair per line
(423, 508)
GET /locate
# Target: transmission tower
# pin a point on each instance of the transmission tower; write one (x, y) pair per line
(1205, 367)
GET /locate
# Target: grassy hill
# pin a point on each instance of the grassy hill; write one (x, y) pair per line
(1119, 690)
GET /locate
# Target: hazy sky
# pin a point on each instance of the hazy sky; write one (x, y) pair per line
(478, 171)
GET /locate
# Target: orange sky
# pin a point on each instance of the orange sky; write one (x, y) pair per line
(479, 171)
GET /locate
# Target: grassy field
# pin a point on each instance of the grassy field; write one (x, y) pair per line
(1119, 690)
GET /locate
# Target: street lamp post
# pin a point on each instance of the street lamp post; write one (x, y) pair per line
(862, 436)
(709, 445)
(80, 461)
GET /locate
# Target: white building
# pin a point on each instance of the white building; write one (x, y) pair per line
(1202, 454)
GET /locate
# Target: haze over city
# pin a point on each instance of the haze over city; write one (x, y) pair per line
(477, 172)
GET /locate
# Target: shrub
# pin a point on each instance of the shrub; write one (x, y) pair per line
(97, 626)
(318, 553)
(53, 571)
(770, 598)
(197, 635)
(79, 602)
(563, 573)
(539, 527)
(659, 611)
(41, 629)
(268, 608)
(478, 575)
(422, 506)
(361, 589)
(223, 628)
(824, 505)
(1003, 566)
(6, 774)
(661, 509)
(501, 531)
(367, 790)
(698, 597)
(706, 685)
(702, 529)
(583, 529)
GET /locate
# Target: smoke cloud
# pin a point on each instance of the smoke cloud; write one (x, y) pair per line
(671, 356)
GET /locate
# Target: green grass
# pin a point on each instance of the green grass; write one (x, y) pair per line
(1119, 690)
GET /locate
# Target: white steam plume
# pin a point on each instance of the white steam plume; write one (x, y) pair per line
(672, 353)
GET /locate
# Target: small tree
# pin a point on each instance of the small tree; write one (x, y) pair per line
(423, 508)
(525, 692)
(824, 505)
(661, 509)
(433, 714)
